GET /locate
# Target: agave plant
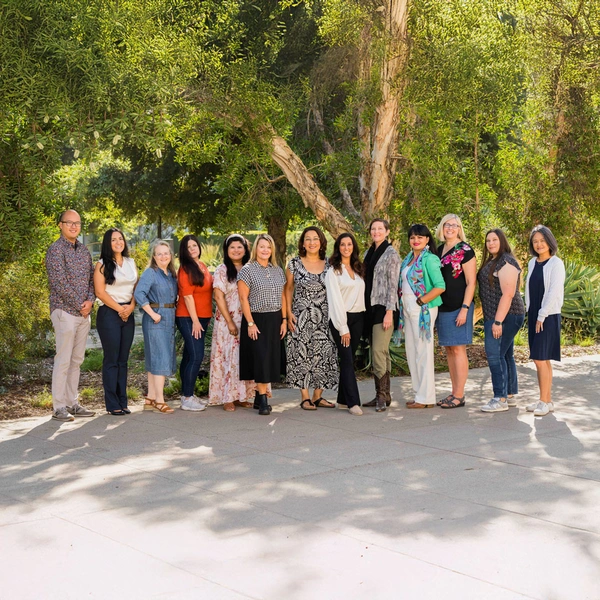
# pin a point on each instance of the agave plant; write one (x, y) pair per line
(581, 308)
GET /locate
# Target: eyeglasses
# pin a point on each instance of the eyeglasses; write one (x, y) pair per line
(72, 223)
(451, 226)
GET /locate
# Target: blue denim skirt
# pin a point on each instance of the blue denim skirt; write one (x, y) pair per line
(451, 335)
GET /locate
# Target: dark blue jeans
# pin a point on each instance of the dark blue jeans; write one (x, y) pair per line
(193, 353)
(116, 337)
(500, 355)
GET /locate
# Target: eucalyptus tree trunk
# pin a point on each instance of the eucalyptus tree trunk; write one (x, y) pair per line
(277, 228)
(379, 138)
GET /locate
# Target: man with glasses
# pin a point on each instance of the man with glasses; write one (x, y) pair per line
(70, 275)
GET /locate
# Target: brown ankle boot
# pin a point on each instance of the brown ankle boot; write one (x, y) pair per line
(377, 392)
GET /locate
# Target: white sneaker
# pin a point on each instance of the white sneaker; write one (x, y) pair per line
(511, 401)
(531, 407)
(355, 410)
(542, 409)
(193, 404)
(495, 405)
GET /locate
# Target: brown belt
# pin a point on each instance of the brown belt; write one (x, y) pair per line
(152, 305)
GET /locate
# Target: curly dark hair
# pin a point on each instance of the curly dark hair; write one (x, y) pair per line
(336, 258)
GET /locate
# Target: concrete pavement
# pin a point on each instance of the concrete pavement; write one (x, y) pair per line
(310, 505)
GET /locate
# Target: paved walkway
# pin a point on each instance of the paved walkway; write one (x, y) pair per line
(417, 505)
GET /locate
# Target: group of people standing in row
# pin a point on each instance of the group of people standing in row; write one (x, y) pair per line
(305, 322)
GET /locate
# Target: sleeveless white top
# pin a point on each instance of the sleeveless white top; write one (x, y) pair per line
(121, 290)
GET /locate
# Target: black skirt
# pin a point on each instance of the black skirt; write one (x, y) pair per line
(262, 360)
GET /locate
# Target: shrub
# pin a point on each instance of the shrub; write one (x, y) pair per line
(25, 324)
(134, 393)
(87, 394)
(42, 399)
(581, 309)
(93, 360)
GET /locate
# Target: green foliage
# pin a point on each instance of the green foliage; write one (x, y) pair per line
(93, 360)
(141, 255)
(134, 393)
(42, 399)
(581, 308)
(24, 314)
(87, 394)
(521, 338)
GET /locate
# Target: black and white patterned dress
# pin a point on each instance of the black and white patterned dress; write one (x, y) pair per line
(312, 360)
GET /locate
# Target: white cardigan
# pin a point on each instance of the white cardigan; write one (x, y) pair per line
(344, 295)
(554, 287)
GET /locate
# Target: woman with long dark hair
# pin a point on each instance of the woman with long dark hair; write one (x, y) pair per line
(226, 387)
(503, 316)
(382, 269)
(156, 294)
(346, 299)
(264, 325)
(544, 296)
(311, 355)
(420, 287)
(193, 314)
(115, 277)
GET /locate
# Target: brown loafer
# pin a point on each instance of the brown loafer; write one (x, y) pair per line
(419, 405)
(243, 404)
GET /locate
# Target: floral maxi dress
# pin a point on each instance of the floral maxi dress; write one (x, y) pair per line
(225, 384)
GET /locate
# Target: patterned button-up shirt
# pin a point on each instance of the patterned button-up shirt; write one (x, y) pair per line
(70, 275)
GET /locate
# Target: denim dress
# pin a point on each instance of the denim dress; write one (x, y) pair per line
(154, 287)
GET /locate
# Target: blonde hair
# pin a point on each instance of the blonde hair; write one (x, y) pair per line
(268, 238)
(439, 232)
(153, 265)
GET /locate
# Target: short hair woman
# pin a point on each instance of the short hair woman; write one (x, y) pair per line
(544, 296)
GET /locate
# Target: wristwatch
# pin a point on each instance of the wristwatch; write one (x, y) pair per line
(419, 301)
(250, 324)
(466, 306)
(497, 322)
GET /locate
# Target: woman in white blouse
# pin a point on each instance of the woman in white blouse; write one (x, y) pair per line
(115, 278)
(346, 299)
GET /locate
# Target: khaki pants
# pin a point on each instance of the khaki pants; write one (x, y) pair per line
(71, 334)
(380, 350)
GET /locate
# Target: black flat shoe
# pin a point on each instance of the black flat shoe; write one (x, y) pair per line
(117, 413)
(126, 411)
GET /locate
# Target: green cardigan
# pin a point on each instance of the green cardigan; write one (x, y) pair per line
(432, 276)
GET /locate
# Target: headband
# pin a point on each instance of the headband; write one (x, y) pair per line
(235, 236)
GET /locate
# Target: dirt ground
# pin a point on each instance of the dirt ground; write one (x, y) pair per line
(19, 395)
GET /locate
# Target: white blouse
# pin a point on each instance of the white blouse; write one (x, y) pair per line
(344, 295)
(126, 277)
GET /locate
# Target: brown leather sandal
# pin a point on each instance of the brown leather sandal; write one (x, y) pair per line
(149, 403)
(162, 407)
(229, 406)
(243, 403)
